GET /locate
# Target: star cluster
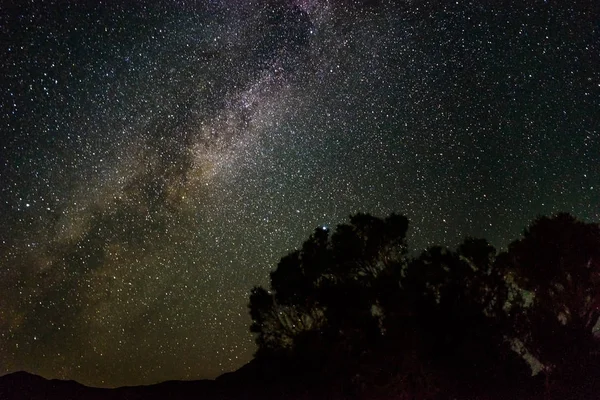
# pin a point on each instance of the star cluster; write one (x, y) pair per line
(156, 160)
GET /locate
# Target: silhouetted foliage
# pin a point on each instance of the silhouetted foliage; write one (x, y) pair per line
(322, 296)
(558, 263)
(350, 311)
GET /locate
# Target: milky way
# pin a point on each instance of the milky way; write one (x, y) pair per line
(158, 160)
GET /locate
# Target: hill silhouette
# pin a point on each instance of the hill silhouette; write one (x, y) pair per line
(23, 385)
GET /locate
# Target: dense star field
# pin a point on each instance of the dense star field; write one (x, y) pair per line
(157, 160)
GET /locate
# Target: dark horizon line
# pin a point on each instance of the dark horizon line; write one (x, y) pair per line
(23, 373)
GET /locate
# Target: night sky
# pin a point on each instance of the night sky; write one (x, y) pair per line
(157, 160)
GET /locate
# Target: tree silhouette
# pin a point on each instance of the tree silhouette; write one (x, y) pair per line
(353, 312)
(449, 314)
(558, 263)
(322, 297)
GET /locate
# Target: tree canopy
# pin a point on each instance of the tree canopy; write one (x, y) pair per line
(352, 308)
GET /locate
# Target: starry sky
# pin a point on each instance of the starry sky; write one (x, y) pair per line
(158, 158)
